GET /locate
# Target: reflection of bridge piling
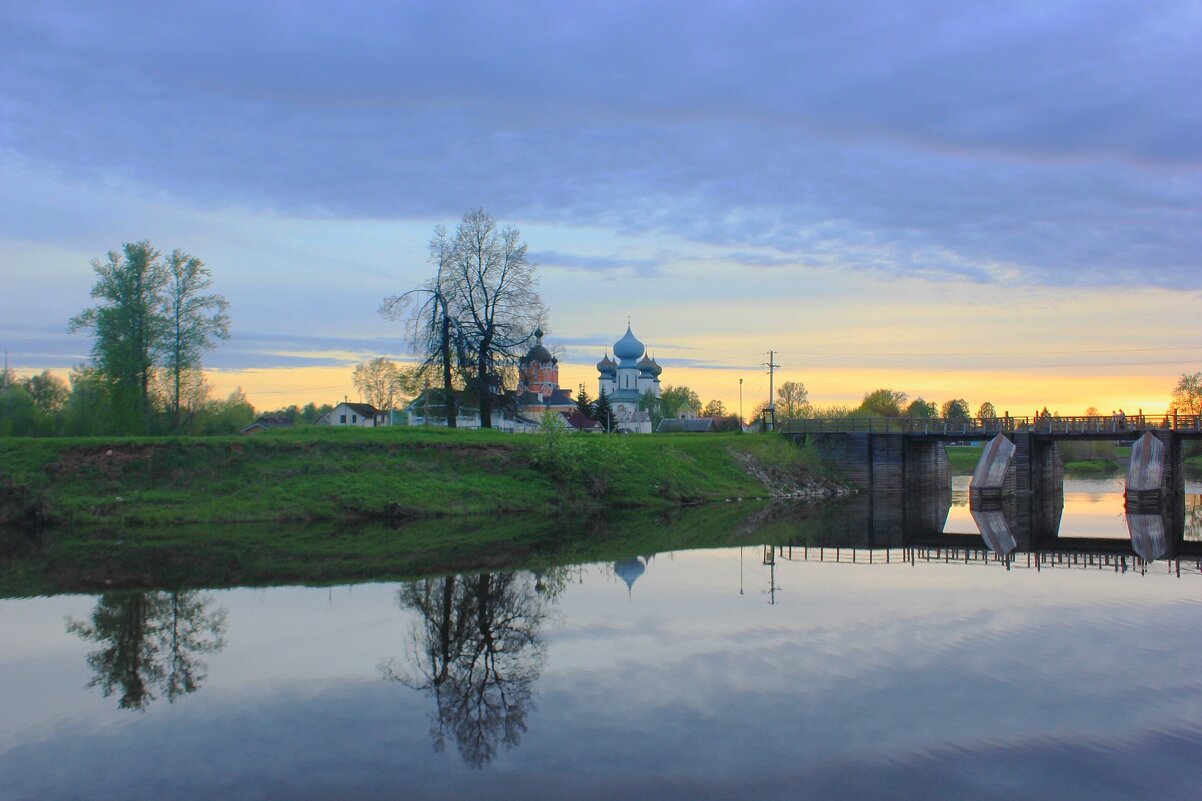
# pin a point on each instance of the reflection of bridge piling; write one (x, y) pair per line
(1038, 561)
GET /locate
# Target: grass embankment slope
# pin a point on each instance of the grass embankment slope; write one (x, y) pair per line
(330, 474)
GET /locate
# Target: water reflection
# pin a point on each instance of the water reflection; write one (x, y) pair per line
(151, 642)
(476, 651)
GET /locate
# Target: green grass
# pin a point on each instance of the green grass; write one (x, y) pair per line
(332, 474)
(1092, 467)
(212, 556)
(963, 458)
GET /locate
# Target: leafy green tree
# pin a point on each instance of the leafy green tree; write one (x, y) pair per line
(650, 404)
(921, 410)
(225, 417)
(310, 413)
(150, 642)
(674, 401)
(956, 409)
(19, 416)
(882, 403)
(714, 408)
(129, 328)
(88, 410)
(48, 392)
(1187, 395)
(194, 320)
(987, 411)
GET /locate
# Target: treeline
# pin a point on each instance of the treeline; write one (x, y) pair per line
(793, 401)
(45, 406)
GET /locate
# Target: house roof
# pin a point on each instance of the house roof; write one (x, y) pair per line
(579, 422)
(266, 422)
(558, 397)
(365, 409)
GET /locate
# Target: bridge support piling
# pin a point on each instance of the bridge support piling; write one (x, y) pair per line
(885, 462)
(1157, 471)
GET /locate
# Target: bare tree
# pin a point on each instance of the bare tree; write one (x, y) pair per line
(1187, 395)
(434, 331)
(477, 650)
(792, 400)
(493, 287)
(381, 382)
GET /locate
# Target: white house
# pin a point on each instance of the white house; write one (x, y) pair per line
(363, 415)
(467, 414)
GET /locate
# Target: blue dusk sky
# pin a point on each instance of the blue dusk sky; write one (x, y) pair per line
(996, 202)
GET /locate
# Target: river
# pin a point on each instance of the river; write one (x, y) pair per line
(778, 670)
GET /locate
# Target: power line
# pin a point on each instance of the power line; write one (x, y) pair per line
(984, 354)
(300, 389)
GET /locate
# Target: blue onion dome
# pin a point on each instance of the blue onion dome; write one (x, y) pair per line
(538, 353)
(628, 348)
(607, 366)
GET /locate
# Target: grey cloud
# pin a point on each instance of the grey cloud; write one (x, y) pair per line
(598, 264)
(1055, 144)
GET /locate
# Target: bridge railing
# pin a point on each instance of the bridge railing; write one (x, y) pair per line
(990, 426)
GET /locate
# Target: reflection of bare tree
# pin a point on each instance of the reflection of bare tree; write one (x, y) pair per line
(477, 652)
(151, 640)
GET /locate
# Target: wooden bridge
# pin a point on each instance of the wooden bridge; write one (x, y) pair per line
(907, 454)
(1099, 427)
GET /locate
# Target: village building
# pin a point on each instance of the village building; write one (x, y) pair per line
(430, 409)
(538, 382)
(267, 423)
(362, 415)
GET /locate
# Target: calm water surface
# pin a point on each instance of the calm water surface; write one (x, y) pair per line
(725, 673)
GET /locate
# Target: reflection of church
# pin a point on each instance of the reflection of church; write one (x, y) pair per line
(630, 569)
(627, 380)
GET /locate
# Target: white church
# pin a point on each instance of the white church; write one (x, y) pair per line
(626, 380)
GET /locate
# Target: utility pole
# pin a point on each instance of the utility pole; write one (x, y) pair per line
(771, 408)
(740, 406)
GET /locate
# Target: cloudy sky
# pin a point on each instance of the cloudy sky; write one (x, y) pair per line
(999, 204)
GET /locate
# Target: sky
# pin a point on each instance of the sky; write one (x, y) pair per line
(989, 202)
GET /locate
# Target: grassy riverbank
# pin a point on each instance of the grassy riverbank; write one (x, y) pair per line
(331, 474)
